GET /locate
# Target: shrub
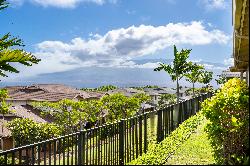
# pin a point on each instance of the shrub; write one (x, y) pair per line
(228, 129)
(26, 131)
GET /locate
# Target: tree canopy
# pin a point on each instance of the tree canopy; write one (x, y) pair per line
(198, 73)
(178, 68)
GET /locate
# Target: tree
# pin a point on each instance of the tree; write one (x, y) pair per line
(26, 131)
(178, 68)
(194, 75)
(119, 106)
(166, 99)
(3, 4)
(8, 54)
(198, 73)
(221, 80)
(93, 110)
(4, 107)
(64, 113)
(105, 88)
(206, 77)
(69, 114)
(143, 97)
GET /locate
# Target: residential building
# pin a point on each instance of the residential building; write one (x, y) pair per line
(240, 18)
(228, 74)
(155, 93)
(21, 97)
(128, 92)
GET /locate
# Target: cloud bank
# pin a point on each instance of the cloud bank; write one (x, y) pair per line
(117, 48)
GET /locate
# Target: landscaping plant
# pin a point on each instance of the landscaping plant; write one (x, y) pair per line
(228, 129)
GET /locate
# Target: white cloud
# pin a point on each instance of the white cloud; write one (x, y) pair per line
(229, 62)
(213, 67)
(62, 3)
(214, 4)
(118, 47)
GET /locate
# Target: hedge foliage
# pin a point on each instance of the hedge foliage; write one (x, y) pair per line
(26, 131)
(228, 129)
(158, 153)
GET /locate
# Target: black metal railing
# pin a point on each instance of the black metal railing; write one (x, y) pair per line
(109, 144)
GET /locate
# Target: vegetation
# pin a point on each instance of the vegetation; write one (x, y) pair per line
(142, 97)
(103, 88)
(198, 90)
(4, 108)
(198, 74)
(119, 106)
(221, 80)
(26, 131)
(196, 150)
(143, 87)
(228, 129)
(158, 153)
(179, 67)
(10, 53)
(166, 99)
(69, 114)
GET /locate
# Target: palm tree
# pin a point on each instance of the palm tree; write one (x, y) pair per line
(178, 68)
(12, 55)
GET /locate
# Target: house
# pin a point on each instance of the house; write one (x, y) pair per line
(7, 141)
(43, 92)
(128, 92)
(155, 93)
(6, 138)
(241, 38)
(228, 74)
(96, 95)
(20, 98)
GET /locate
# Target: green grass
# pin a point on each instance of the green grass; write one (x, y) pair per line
(158, 153)
(196, 150)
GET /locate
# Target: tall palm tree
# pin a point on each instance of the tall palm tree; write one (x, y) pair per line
(178, 68)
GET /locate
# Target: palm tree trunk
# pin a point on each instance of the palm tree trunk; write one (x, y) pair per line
(177, 91)
(193, 89)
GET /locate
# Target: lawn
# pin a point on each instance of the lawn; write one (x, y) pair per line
(196, 150)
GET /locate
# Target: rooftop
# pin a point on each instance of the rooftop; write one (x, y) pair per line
(46, 92)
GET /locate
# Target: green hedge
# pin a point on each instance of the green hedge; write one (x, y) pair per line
(158, 153)
(228, 130)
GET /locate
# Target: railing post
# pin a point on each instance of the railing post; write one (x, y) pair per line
(121, 142)
(179, 114)
(199, 102)
(140, 135)
(172, 118)
(80, 148)
(159, 126)
(145, 133)
(196, 101)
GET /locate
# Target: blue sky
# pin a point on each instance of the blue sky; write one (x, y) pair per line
(91, 35)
